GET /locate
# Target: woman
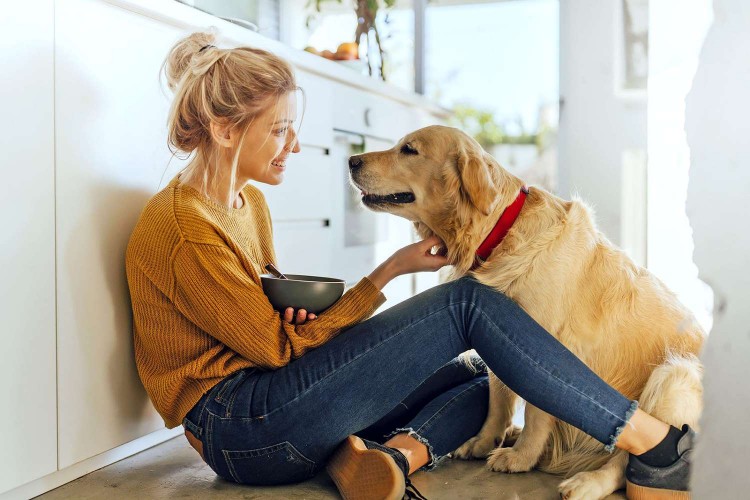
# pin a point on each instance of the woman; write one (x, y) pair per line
(269, 398)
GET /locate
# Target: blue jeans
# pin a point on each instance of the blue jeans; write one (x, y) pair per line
(281, 426)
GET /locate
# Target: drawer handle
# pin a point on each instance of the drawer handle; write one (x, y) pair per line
(290, 224)
(367, 117)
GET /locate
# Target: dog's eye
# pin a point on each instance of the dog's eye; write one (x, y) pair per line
(407, 149)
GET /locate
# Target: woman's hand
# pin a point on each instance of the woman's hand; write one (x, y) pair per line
(413, 258)
(417, 257)
(300, 318)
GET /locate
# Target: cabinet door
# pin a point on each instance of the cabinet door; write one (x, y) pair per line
(304, 247)
(111, 155)
(27, 253)
(316, 111)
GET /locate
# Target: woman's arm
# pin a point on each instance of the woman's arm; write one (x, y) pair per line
(412, 258)
(215, 292)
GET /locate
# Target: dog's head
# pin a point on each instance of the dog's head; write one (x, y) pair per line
(441, 179)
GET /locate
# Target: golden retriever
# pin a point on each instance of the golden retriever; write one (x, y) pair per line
(614, 315)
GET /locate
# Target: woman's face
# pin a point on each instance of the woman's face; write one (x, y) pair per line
(268, 142)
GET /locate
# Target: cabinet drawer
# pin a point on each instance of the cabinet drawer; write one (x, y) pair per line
(307, 189)
(369, 114)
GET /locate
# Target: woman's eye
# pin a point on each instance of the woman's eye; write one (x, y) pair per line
(280, 131)
(407, 149)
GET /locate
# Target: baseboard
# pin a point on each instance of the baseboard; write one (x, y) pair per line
(56, 479)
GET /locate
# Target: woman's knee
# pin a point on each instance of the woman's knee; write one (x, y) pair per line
(481, 294)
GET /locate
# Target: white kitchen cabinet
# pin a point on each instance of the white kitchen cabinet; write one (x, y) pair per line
(315, 110)
(304, 247)
(111, 153)
(301, 209)
(305, 194)
(364, 113)
(27, 253)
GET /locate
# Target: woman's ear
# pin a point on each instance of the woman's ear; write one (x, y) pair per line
(222, 135)
(476, 179)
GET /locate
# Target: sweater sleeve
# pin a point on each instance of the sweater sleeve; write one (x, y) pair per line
(215, 292)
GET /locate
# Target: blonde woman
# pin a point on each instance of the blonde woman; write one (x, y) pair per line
(271, 398)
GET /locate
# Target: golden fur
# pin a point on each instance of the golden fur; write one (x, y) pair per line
(614, 315)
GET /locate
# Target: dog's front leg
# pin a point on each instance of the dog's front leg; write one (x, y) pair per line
(496, 427)
(527, 451)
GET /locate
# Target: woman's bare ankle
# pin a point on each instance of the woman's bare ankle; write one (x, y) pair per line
(415, 452)
(642, 433)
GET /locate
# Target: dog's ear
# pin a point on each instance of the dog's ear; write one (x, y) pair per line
(476, 179)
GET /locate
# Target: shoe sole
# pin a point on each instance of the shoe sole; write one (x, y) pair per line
(636, 492)
(362, 474)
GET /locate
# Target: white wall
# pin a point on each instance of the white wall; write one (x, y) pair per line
(674, 52)
(596, 124)
(718, 134)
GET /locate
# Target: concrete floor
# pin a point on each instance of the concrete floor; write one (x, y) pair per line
(174, 470)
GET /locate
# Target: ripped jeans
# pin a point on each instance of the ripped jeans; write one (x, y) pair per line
(397, 371)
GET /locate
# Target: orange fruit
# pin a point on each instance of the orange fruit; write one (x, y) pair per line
(348, 50)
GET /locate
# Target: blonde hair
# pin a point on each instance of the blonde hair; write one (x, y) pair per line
(230, 87)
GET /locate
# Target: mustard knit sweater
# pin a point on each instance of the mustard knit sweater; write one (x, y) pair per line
(199, 311)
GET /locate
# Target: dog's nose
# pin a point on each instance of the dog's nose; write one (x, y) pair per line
(355, 163)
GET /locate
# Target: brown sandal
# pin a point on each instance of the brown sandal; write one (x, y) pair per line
(365, 470)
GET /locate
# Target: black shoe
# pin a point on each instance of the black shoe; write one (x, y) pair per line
(364, 470)
(645, 482)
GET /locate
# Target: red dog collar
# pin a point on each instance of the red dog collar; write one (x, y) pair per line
(504, 223)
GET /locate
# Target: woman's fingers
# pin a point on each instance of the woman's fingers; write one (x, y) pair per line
(438, 259)
(299, 318)
(431, 241)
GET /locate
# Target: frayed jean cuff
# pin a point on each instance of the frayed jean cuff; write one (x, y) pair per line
(432, 459)
(613, 438)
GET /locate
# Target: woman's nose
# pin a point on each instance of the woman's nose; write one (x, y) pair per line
(294, 142)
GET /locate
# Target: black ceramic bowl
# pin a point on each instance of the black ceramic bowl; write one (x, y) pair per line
(314, 294)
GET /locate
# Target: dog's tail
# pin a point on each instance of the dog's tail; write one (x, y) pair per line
(570, 451)
(673, 394)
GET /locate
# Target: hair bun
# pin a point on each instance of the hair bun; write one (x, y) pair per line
(180, 56)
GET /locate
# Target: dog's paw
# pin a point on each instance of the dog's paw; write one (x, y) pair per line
(582, 486)
(510, 460)
(477, 447)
